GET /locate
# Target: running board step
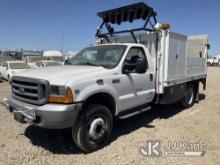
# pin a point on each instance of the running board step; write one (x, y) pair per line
(134, 113)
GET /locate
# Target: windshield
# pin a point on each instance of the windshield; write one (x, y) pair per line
(51, 63)
(107, 56)
(19, 66)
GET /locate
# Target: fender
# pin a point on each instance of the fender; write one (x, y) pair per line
(95, 89)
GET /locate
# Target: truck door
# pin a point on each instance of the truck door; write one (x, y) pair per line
(136, 89)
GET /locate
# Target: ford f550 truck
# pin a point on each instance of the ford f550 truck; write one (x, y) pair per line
(120, 77)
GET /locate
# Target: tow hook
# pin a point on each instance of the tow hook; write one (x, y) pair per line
(24, 115)
(19, 117)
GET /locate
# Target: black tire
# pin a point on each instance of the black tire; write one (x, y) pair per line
(89, 132)
(189, 99)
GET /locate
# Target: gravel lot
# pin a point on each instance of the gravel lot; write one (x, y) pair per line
(24, 144)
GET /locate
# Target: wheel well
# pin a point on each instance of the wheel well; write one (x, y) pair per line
(193, 83)
(102, 99)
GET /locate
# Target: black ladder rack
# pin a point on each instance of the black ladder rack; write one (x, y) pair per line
(128, 13)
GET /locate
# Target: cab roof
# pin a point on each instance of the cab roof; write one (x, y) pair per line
(125, 44)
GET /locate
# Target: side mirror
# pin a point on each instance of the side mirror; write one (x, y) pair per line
(5, 68)
(141, 65)
(128, 68)
(208, 46)
(138, 67)
(67, 62)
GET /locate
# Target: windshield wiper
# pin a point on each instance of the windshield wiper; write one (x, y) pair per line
(88, 63)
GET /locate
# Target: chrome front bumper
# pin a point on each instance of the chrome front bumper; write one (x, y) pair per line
(53, 116)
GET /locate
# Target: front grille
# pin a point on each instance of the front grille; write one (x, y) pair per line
(34, 91)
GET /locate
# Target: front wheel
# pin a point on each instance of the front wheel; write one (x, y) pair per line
(92, 128)
(189, 99)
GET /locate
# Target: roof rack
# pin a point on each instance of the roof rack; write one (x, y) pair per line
(128, 13)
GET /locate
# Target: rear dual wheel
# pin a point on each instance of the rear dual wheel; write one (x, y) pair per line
(189, 99)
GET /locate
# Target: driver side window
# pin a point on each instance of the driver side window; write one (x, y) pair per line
(135, 53)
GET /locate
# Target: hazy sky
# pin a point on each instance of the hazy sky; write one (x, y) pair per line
(71, 24)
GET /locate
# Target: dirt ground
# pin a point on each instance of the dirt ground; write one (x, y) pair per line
(24, 144)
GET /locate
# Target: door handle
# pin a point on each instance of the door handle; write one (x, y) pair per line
(151, 77)
(115, 81)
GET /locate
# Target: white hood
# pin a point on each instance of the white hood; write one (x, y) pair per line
(60, 75)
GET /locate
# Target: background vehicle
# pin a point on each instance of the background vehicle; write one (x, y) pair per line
(45, 63)
(7, 56)
(10, 68)
(0, 68)
(213, 61)
(31, 56)
(67, 57)
(120, 77)
(53, 55)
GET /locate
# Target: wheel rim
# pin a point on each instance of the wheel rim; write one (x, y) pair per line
(96, 129)
(190, 96)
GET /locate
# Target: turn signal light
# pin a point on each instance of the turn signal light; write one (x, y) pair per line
(165, 26)
(68, 99)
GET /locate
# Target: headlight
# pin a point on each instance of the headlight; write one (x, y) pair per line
(57, 91)
(60, 94)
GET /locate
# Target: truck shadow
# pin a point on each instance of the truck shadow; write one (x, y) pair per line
(60, 142)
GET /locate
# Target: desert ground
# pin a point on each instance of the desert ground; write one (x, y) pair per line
(25, 144)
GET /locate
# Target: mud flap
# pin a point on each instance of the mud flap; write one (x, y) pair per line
(197, 92)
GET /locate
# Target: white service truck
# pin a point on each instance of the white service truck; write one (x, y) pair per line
(120, 77)
(213, 61)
